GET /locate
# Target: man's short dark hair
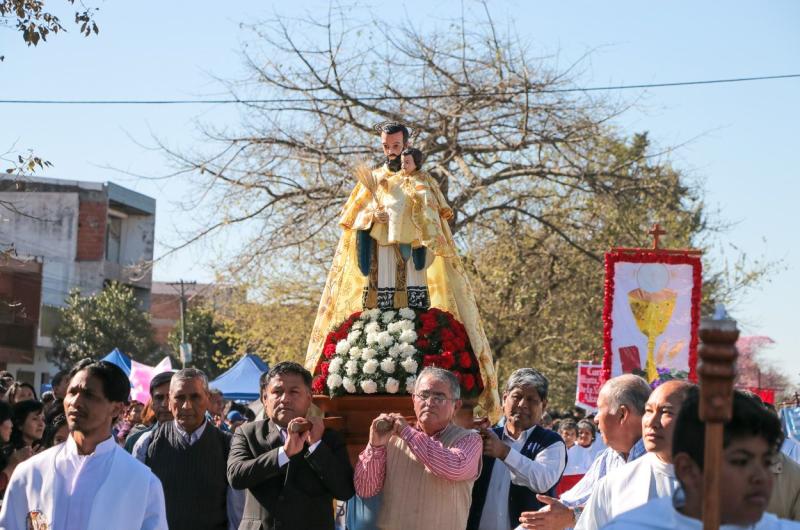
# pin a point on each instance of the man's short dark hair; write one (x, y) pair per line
(392, 127)
(285, 367)
(116, 386)
(60, 375)
(749, 419)
(416, 154)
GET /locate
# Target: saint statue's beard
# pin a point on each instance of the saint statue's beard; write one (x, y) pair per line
(393, 163)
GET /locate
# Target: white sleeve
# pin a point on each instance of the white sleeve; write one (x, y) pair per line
(155, 514)
(541, 473)
(14, 512)
(596, 513)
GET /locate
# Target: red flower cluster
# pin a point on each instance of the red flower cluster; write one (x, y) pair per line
(443, 342)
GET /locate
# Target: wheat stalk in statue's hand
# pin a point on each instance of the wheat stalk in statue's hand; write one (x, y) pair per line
(366, 178)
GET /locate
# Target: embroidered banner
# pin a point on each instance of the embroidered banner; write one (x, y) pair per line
(651, 313)
(588, 386)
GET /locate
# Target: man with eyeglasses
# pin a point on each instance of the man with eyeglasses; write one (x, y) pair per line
(425, 472)
(520, 459)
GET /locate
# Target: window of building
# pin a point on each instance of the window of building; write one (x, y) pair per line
(113, 239)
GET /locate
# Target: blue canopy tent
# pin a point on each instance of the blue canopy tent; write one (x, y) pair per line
(240, 382)
(120, 359)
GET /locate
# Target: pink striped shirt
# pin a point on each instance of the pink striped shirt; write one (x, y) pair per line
(460, 462)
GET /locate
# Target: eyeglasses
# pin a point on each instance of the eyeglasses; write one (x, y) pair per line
(433, 399)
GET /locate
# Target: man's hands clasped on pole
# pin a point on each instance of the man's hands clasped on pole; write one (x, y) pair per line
(383, 427)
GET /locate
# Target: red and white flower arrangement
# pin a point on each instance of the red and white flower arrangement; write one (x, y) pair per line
(381, 352)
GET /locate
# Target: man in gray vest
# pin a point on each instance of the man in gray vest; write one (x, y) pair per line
(189, 456)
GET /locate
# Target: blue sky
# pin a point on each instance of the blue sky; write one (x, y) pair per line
(740, 140)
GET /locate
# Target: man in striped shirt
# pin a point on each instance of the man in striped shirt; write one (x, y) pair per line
(425, 472)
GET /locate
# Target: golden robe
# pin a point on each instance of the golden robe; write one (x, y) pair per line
(415, 218)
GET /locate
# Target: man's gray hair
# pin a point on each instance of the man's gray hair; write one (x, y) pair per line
(189, 373)
(529, 377)
(440, 374)
(626, 389)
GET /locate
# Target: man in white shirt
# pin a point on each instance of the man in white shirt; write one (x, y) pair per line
(746, 479)
(648, 477)
(521, 459)
(88, 482)
(620, 407)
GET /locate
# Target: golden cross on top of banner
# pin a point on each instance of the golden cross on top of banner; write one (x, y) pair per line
(656, 232)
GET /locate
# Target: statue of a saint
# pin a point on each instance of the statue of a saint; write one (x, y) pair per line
(397, 251)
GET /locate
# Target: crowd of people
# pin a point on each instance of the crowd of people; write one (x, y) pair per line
(85, 457)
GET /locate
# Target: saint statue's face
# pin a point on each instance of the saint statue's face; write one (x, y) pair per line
(393, 144)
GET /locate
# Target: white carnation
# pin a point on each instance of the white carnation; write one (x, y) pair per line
(342, 346)
(408, 313)
(348, 385)
(394, 327)
(369, 386)
(336, 365)
(408, 336)
(387, 316)
(372, 327)
(392, 385)
(355, 352)
(370, 367)
(334, 381)
(351, 367)
(394, 351)
(387, 365)
(405, 324)
(353, 335)
(372, 338)
(358, 324)
(409, 365)
(410, 384)
(407, 350)
(385, 339)
(374, 314)
(368, 353)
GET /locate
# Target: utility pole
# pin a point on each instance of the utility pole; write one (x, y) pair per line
(183, 347)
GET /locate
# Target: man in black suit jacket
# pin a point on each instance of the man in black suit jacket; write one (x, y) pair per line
(291, 475)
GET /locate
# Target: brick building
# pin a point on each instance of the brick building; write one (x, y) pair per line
(58, 235)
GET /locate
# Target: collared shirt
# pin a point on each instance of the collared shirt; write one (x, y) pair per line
(609, 459)
(234, 501)
(459, 462)
(626, 488)
(282, 458)
(81, 476)
(538, 475)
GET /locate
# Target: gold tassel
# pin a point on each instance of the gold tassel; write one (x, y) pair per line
(400, 299)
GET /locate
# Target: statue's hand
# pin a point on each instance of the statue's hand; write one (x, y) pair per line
(381, 216)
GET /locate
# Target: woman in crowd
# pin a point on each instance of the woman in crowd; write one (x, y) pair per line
(9, 457)
(28, 419)
(56, 431)
(19, 392)
(588, 439)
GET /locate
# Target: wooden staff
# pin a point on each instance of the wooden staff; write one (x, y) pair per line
(716, 371)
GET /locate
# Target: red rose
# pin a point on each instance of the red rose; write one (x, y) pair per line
(430, 360)
(447, 360)
(469, 382)
(329, 351)
(464, 360)
(330, 337)
(460, 378)
(355, 315)
(447, 335)
(323, 369)
(423, 344)
(318, 386)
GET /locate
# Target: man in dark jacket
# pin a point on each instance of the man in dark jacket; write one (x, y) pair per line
(520, 459)
(292, 467)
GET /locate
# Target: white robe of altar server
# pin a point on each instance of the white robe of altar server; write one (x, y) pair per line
(659, 514)
(106, 490)
(626, 488)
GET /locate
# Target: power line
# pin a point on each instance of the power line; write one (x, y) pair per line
(532, 90)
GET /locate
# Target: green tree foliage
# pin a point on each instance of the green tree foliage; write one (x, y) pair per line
(92, 326)
(205, 333)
